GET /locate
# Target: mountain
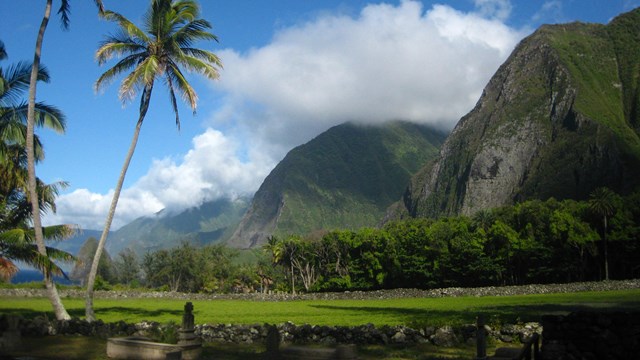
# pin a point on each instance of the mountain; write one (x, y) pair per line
(344, 178)
(558, 119)
(73, 244)
(211, 222)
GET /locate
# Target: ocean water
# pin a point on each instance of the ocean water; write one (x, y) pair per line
(30, 275)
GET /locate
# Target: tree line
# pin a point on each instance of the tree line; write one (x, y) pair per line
(531, 242)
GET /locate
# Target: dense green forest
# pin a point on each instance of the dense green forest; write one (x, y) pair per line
(531, 242)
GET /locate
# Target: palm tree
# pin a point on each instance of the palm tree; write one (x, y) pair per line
(60, 312)
(16, 207)
(159, 50)
(602, 203)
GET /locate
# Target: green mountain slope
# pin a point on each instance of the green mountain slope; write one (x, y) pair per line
(211, 222)
(344, 178)
(559, 118)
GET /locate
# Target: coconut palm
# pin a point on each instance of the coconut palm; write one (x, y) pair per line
(59, 310)
(158, 50)
(602, 203)
(16, 235)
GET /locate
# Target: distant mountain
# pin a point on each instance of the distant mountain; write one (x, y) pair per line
(560, 118)
(74, 243)
(344, 178)
(211, 222)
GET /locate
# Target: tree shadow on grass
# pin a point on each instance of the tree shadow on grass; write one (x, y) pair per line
(498, 313)
(129, 312)
(121, 312)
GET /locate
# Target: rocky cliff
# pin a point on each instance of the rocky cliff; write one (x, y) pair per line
(559, 118)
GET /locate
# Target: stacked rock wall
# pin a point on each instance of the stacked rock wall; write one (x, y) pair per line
(446, 336)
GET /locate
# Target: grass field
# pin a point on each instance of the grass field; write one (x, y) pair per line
(412, 312)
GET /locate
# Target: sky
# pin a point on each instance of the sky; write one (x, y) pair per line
(292, 69)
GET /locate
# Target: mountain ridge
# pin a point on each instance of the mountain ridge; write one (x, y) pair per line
(346, 177)
(551, 122)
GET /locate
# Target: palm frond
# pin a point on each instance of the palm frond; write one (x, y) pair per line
(193, 31)
(143, 74)
(118, 45)
(126, 25)
(64, 11)
(100, 6)
(122, 66)
(15, 237)
(7, 269)
(47, 194)
(50, 117)
(60, 255)
(16, 81)
(174, 103)
(12, 128)
(59, 232)
(179, 82)
(200, 66)
(204, 55)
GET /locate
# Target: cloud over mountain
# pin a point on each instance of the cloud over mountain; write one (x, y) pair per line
(389, 62)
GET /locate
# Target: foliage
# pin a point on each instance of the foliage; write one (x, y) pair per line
(166, 333)
(186, 268)
(532, 242)
(17, 236)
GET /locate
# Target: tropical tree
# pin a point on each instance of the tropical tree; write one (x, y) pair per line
(64, 9)
(158, 50)
(602, 203)
(17, 237)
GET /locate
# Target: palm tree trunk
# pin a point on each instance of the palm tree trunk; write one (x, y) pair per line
(144, 106)
(52, 291)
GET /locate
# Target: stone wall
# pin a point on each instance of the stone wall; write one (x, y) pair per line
(589, 335)
(346, 295)
(290, 333)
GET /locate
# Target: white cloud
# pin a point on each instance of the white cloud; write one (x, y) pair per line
(210, 170)
(494, 9)
(389, 62)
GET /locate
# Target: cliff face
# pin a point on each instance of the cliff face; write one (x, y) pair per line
(344, 178)
(559, 118)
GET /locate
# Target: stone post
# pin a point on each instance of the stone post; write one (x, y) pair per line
(190, 343)
(481, 342)
(272, 343)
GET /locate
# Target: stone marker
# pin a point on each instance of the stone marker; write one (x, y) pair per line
(190, 343)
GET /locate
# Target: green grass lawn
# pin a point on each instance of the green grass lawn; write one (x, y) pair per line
(409, 312)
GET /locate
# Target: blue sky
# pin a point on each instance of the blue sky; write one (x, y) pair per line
(293, 69)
